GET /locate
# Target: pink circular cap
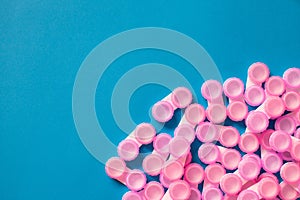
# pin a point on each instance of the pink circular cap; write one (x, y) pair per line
(173, 170)
(115, 167)
(252, 156)
(216, 113)
(161, 143)
(295, 149)
(207, 132)
(248, 195)
(195, 114)
(257, 121)
(292, 77)
(128, 150)
(255, 95)
(258, 72)
(186, 131)
(136, 180)
(208, 153)
(144, 133)
(154, 191)
(195, 194)
(231, 184)
(287, 192)
(274, 107)
(264, 139)
(275, 85)
(231, 158)
(233, 88)
(179, 190)
(249, 143)
(280, 141)
(179, 147)
(214, 173)
(290, 172)
(211, 90)
(229, 136)
(194, 174)
(181, 97)
(131, 196)
(286, 124)
(291, 100)
(152, 164)
(162, 111)
(271, 162)
(212, 193)
(268, 188)
(237, 111)
(249, 169)
(164, 181)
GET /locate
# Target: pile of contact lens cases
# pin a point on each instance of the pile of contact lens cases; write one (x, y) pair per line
(233, 168)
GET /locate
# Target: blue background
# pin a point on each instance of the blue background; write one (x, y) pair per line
(43, 43)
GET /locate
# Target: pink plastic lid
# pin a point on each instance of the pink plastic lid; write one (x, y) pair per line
(195, 194)
(164, 181)
(195, 114)
(274, 107)
(237, 111)
(131, 196)
(161, 143)
(115, 167)
(207, 132)
(194, 174)
(181, 97)
(268, 188)
(258, 72)
(179, 190)
(136, 180)
(252, 156)
(211, 90)
(128, 149)
(264, 139)
(231, 184)
(173, 170)
(208, 153)
(233, 88)
(186, 131)
(162, 111)
(179, 147)
(271, 162)
(291, 100)
(216, 113)
(144, 133)
(275, 85)
(214, 173)
(249, 169)
(287, 192)
(257, 121)
(280, 141)
(152, 164)
(154, 191)
(286, 124)
(229, 136)
(255, 95)
(212, 193)
(231, 158)
(248, 195)
(290, 172)
(248, 143)
(292, 77)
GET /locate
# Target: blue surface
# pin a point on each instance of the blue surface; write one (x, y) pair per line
(43, 43)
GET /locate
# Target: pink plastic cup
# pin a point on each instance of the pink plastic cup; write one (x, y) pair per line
(248, 195)
(161, 144)
(254, 95)
(194, 114)
(153, 191)
(152, 164)
(237, 110)
(163, 110)
(234, 89)
(212, 91)
(266, 188)
(273, 107)
(292, 79)
(296, 116)
(286, 124)
(128, 149)
(290, 172)
(280, 141)
(195, 194)
(258, 73)
(194, 174)
(186, 131)
(212, 193)
(275, 86)
(216, 113)
(291, 100)
(208, 153)
(214, 173)
(249, 167)
(231, 184)
(271, 162)
(172, 170)
(207, 132)
(287, 192)
(131, 195)
(179, 147)
(249, 142)
(229, 136)
(178, 190)
(257, 121)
